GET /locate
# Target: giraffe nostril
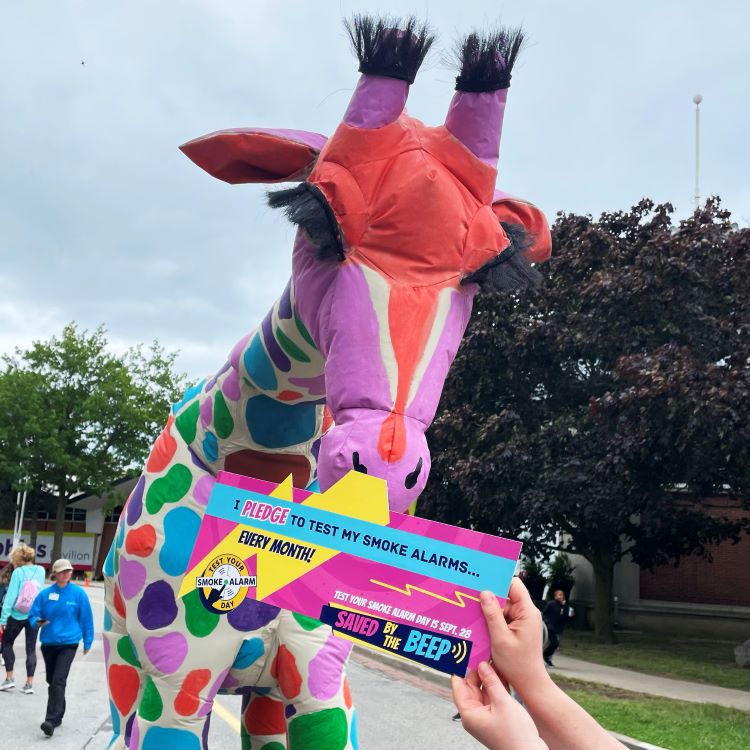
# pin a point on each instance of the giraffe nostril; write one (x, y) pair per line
(357, 465)
(411, 478)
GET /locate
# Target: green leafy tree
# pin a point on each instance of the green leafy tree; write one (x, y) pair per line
(75, 417)
(596, 414)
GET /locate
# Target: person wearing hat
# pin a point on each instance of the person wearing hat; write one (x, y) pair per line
(63, 613)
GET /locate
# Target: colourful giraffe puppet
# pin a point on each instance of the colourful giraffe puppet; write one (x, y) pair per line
(399, 226)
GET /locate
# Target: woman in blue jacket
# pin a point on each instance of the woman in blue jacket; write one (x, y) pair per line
(26, 578)
(63, 613)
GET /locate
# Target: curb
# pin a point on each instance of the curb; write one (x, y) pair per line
(632, 744)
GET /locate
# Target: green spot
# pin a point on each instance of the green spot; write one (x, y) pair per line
(199, 621)
(322, 730)
(290, 347)
(303, 331)
(273, 746)
(223, 421)
(127, 652)
(244, 738)
(308, 623)
(187, 422)
(169, 488)
(151, 705)
(117, 562)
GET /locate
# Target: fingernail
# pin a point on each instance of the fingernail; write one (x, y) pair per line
(486, 597)
(484, 669)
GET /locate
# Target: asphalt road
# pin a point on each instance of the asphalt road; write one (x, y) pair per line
(396, 709)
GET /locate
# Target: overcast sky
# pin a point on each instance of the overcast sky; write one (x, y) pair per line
(103, 220)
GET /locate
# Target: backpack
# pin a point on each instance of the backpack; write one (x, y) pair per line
(26, 595)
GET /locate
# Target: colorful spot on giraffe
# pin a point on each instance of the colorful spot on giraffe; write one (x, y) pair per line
(129, 731)
(126, 651)
(274, 350)
(118, 602)
(264, 716)
(135, 737)
(251, 615)
(202, 490)
(307, 623)
(141, 541)
(354, 731)
(223, 422)
(190, 393)
(188, 699)
(284, 670)
(294, 351)
(169, 488)
(134, 506)
(157, 607)
(115, 714)
(180, 531)
(163, 451)
(230, 387)
(258, 365)
(276, 425)
(152, 706)
(237, 349)
(107, 623)
(198, 620)
(207, 412)
(159, 738)
(289, 395)
(210, 447)
(132, 577)
(326, 668)
(123, 686)
(322, 730)
(347, 694)
(289, 710)
(187, 422)
(207, 704)
(250, 651)
(303, 331)
(166, 652)
(106, 646)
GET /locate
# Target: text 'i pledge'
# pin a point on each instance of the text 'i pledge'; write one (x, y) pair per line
(265, 512)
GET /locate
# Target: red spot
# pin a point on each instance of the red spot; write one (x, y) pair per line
(119, 605)
(265, 716)
(284, 670)
(163, 450)
(141, 541)
(327, 419)
(188, 699)
(123, 687)
(288, 396)
(347, 694)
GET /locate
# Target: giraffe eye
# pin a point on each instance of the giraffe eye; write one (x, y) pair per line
(411, 478)
(357, 465)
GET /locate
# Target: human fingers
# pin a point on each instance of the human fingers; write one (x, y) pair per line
(492, 685)
(466, 692)
(492, 614)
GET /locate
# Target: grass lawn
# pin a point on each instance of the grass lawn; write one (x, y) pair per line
(695, 659)
(671, 724)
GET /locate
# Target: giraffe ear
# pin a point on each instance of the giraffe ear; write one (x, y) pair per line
(256, 154)
(511, 210)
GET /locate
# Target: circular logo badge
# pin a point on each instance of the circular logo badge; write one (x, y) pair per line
(224, 583)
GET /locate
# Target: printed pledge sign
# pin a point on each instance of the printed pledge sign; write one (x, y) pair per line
(393, 582)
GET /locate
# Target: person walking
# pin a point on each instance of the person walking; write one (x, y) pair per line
(63, 613)
(25, 582)
(556, 613)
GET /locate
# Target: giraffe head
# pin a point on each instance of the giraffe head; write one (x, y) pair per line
(400, 225)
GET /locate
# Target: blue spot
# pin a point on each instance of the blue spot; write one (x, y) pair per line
(353, 738)
(250, 651)
(121, 533)
(107, 624)
(262, 691)
(210, 446)
(259, 366)
(157, 738)
(273, 424)
(180, 530)
(115, 718)
(190, 393)
(109, 563)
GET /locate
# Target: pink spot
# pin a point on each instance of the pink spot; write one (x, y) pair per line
(105, 641)
(202, 490)
(234, 357)
(132, 577)
(231, 386)
(166, 652)
(208, 703)
(207, 412)
(326, 668)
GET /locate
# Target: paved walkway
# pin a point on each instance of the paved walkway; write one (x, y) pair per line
(625, 679)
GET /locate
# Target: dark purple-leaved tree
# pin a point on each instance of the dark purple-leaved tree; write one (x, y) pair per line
(595, 415)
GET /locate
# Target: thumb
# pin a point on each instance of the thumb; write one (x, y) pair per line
(492, 685)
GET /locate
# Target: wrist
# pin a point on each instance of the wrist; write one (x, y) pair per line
(536, 687)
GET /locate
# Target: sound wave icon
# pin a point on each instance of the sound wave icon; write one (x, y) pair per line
(459, 651)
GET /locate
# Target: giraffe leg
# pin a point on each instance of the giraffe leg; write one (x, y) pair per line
(263, 725)
(310, 670)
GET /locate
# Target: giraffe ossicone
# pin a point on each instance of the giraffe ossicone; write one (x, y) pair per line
(400, 226)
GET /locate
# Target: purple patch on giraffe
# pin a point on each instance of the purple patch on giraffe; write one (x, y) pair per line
(234, 357)
(244, 690)
(314, 386)
(251, 615)
(285, 302)
(135, 502)
(202, 490)
(326, 668)
(157, 607)
(135, 736)
(272, 347)
(289, 710)
(105, 642)
(231, 386)
(166, 652)
(207, 412)
(132, 577)
(315, 450)
(219, 682)
(230, 683)
(196, 461)
(204, 734)
(129, 729)
(209, 384)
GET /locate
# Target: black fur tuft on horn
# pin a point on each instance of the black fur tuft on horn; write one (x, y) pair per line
(306, 206)
(509, 271)
(486, 62)
(389, 47)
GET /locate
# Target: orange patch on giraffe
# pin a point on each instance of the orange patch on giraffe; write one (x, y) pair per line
(264, 716)
(288, 395)
(188, 699)
(164, 449)
(119, 605)
(347, 694)
(284, 670)
(141, 541)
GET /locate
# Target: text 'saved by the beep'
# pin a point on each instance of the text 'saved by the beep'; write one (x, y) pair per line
(393, 582)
